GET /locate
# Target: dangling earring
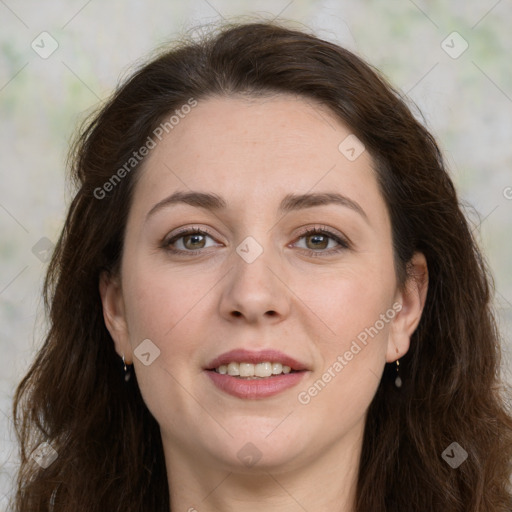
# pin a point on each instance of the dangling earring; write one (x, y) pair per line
(127, 373)
(398, 380)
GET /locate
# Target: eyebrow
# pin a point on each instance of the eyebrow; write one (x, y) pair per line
(291, 202)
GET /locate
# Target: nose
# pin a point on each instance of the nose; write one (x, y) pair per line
(255, 291)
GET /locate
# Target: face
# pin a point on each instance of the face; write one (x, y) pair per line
(290, 262)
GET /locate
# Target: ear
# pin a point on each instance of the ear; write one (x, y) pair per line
(412, 299)
(114, 314)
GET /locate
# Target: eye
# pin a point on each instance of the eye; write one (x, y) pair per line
(193, 241)
(189, 241)
(317, 240)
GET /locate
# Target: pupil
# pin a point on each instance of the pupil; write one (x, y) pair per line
(316, 238)
(194, 238)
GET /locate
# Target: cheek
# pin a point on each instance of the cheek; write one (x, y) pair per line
(355, 309)
(159, 301)
(347, 379)
(173, 309)
(346, 302)
(164, 307)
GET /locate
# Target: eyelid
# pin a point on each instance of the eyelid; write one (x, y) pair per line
(187, 230)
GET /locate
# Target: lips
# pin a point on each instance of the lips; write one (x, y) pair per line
(231, 373)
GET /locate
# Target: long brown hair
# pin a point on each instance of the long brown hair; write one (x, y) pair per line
(74, 397)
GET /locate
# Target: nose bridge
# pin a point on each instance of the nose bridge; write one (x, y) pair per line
(254, 290)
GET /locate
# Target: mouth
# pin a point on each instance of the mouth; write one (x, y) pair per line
(254, 375)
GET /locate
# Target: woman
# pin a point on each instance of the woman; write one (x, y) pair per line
(265, 295)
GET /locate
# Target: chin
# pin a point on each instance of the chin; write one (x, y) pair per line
(259, 449)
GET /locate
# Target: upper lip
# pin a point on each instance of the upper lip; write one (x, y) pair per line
(254, 357)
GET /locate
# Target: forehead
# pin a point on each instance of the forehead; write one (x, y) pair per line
(254, 149)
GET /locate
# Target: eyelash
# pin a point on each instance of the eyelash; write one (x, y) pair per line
(343, 243)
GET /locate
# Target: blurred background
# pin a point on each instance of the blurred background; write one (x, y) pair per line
(59, 59)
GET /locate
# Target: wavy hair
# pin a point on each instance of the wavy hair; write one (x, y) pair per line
(108, 445)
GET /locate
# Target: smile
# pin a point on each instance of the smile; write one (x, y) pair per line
(255, 375)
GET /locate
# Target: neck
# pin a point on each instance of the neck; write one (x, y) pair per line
(326, 481)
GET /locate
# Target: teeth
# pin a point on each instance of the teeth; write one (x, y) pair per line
(277, 368)
(249, 370)
(263, 370)
(246, 369)
(233, 369)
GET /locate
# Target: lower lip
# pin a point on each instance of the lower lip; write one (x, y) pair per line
(254, 389)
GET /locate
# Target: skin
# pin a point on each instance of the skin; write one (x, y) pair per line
(296, 297)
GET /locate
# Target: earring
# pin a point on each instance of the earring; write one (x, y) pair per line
(398, 380)
(127, 373)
